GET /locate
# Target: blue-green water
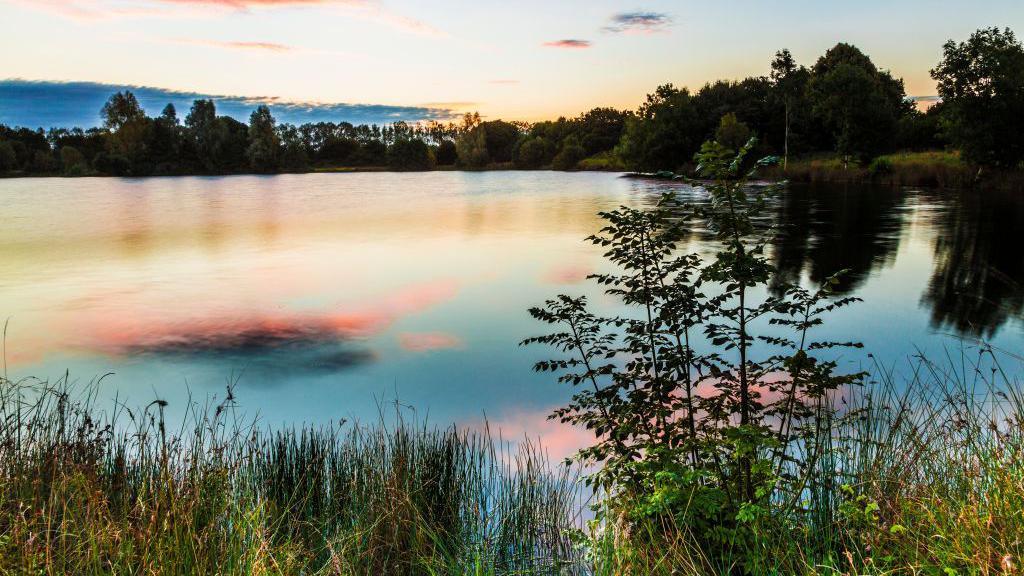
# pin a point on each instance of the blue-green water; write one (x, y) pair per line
(324, 295)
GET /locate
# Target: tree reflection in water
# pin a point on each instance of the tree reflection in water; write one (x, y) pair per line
(976, 282)
(979, 264)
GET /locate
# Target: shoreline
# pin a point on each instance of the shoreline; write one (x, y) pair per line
(932, 170)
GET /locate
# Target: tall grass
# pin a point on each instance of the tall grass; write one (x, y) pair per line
(88, 492)
(922, 474)
(933, 466)
(928, 169)
(931, 169)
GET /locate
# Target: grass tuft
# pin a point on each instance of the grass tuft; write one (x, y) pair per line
(86, 492)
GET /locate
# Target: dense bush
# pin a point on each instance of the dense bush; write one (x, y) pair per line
(446, 153)
(532, 153)
(981, 82)
(569, 156)
(727, 442)
(410, 154)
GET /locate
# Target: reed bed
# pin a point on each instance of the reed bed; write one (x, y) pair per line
(922, 472)
(83, 491)
(932, 169)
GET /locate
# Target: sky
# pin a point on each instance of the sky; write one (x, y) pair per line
(381, 60)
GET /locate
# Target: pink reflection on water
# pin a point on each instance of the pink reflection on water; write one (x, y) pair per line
(428, 341)
(148, 329)
(566, 274)
(558, 440)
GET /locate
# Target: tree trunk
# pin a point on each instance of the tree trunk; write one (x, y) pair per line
(785, 150)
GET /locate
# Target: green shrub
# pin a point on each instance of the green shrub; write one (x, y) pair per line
(606, 160)
(569, 156)
(410, 154)
(531, 153)
(880, 166)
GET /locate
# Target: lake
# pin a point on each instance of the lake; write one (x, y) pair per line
(329, 296)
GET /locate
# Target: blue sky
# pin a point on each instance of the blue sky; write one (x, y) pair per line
(516, 60)
(43, 104)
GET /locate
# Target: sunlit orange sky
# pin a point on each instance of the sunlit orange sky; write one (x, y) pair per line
(523, 60)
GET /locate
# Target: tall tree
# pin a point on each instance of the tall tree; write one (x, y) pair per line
(501, 139)
(264, 145)
(784, 81)
(981, 82)
(472, 148)
(857, 102)
(665, 133)
(120, 109)
(600, 129)
(165, 140)
(129, 126)
(206, 134)
(732, 133)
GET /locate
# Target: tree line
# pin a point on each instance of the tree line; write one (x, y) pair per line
(843, 104)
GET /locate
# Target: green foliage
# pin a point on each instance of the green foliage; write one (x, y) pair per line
(120, 109)
(606, 160)
(207, 135)
(85, 491)
(500, 138)
(446, 153)
(921, 131)
(661, 135)
(72, 161)
(569, 156)
(532, 153)
(293, 154)
(264, 144)
(8, 158)
(688, 424)
(472, 148)
(112, 164)
(129, 126)
(165, 143)
(44, 162)
(732, 133)
(600, 129)
(981, 82)
(880, 166)
(410, 154)
(858, 103)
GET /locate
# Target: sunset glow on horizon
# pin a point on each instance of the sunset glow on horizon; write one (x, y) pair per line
(524, 61)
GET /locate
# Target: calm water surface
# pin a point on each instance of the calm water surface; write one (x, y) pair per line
(323, 295)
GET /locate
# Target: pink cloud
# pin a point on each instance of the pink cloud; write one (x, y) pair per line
(570, 43)
(362, 9)
(246, 4)
(258, 46)
(91, 10)
(639, 23)
(428, 341)
(87, 12)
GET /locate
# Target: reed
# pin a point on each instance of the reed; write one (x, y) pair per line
(931, 169)
(920, 472)
(83, 491)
